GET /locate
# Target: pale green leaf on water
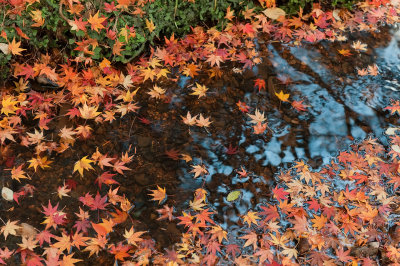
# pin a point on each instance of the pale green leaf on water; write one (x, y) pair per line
(234, 195)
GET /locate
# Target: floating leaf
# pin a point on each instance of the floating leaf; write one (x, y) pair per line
(391, 131)
(396, 148)
(234, 195)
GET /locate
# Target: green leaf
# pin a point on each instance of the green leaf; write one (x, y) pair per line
(234, 195)
(80, 33)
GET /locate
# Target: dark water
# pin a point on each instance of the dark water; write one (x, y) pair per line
(344, 107)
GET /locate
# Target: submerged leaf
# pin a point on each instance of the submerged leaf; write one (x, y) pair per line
(234, 195)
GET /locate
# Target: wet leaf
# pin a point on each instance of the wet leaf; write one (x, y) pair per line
(7, 194)
(391, 131)
(234, 195)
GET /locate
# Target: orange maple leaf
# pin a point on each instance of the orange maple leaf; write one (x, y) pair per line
(251, 217)
(13, 47)
(96, 22)
(158, 194)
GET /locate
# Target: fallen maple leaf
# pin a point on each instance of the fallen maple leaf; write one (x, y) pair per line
(88, 112)
(345, 52)
(13, 47)
(18, 173)
(260, 84)
(150, 25)
(203, 122)
(83, 164)
(280, 193)
(299, 106)
(200, 90)
(395, 107)
(158, 194)
(251, 239)
(10, 228)
(96, 22)
(251, 217)
(282, 96)
(198, 170)
(258, 117)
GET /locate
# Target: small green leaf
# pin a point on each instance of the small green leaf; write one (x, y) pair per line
(234, 195)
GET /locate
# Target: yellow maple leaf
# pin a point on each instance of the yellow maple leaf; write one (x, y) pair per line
(282, 96)
(83, 164)
(37, 17)
(42, 162)
(8, 105)
(150, 25)
(105, 63)
(13, 47)
(251, 217)
(200, 90)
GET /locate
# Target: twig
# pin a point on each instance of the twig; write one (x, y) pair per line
(61, 12)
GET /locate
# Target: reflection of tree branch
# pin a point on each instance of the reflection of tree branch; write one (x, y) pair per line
(347, 110)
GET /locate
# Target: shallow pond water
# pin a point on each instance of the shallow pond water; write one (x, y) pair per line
(343, 107)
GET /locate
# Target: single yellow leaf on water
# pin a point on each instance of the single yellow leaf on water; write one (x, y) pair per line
(83, 164)
(200, 90)
(282, 96)
(234, 195)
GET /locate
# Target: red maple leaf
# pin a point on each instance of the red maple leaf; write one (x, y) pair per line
(260, 84)
(50, 210)
(173, 154)
(314, 205)
(395, 107)
(232, 249)
(343, 256)
(27, 71)
(271, 212)
(361, 178)
(231, 150)
(71, 183)
(99, 203)
(87, 199)
(105, 178)
(204, 216)
(213, 247)
(74, 112)
(248, 29)
(44, 236)
(280, 193)
(299, 106)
